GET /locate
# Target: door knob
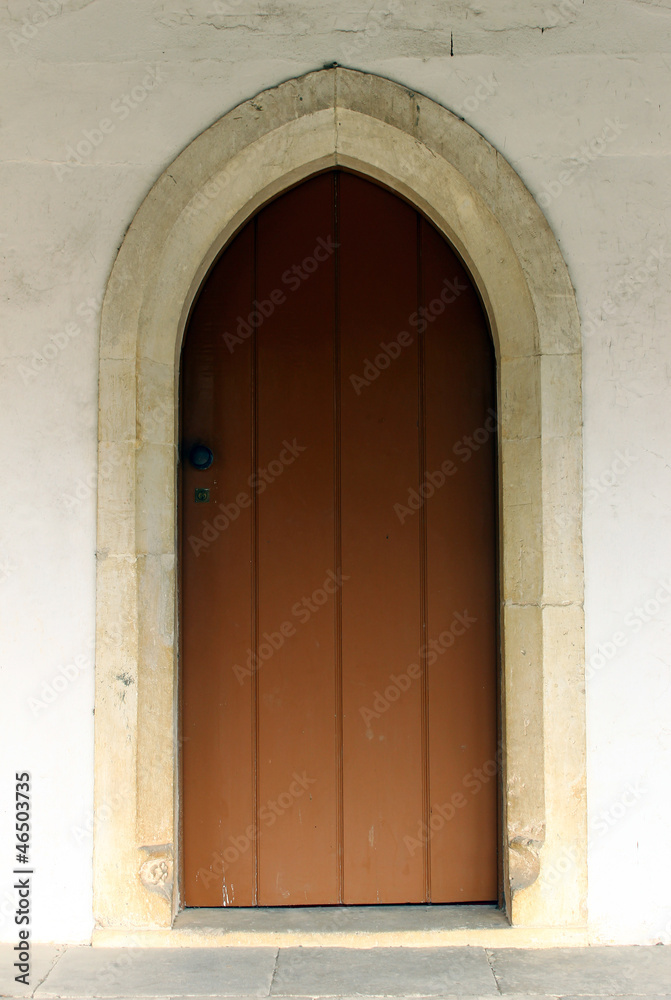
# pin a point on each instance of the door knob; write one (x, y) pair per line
(201, 457)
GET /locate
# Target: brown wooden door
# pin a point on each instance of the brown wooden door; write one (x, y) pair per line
(338, 563)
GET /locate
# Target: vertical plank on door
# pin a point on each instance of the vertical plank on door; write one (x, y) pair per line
(461, 575)
(297, 724)
(382, 769)
(216, 588)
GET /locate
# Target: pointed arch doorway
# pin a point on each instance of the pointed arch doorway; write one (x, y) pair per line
(341, 119)
(338, 562)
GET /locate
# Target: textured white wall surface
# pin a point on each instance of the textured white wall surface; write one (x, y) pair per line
(97, 97)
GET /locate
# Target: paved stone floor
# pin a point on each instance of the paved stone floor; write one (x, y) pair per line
(79, 972)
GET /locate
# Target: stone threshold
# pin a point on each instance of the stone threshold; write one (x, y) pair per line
(483, 926)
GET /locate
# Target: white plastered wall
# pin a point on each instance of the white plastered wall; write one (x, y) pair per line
(595, 79)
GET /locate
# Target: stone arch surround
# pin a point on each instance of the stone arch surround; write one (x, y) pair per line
(471, 194)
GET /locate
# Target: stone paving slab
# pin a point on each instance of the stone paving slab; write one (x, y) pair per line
(445, 996)
(596, 973)
(161, 972)
(509, 996)
(577, 972)
(394, 972)
(42, 958)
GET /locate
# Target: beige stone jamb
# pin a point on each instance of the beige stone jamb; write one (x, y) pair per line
(435, 160)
